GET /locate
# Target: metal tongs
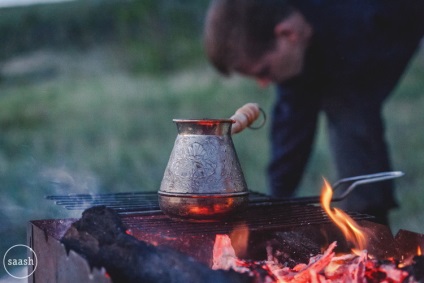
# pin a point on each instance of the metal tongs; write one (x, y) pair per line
(355, 182)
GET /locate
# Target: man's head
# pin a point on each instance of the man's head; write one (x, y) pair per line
(264, 39)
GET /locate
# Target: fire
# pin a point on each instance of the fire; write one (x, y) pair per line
(240, 239)
(348, 226)
(358, 266)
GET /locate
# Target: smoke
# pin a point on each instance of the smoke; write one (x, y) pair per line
(24, 200)
(59, 181)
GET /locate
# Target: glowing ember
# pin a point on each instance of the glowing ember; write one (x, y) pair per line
(348, 226)
(321, 268)
(224, 256)
(223, 253)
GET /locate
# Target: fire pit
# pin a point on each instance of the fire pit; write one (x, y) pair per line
(294, 229)
(265, 225)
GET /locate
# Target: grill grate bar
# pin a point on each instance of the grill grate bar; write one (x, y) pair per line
(255, 218)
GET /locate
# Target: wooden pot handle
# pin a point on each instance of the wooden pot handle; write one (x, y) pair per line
(245, 116)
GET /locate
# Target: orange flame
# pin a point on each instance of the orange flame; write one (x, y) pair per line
(419, 250)
(240, 239)
(351, 230)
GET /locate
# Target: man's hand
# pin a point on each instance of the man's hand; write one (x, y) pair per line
(244, 117)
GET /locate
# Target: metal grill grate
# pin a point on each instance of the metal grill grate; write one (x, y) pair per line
(142, 210)
(255, 218)
(136, 202)
(147, 202)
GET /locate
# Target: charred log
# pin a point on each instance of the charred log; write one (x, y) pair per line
(100, 237)
(417, 268)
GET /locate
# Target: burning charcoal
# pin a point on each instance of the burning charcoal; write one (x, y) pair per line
(289, 248)
(100, 237)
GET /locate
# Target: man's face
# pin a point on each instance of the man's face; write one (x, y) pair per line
(285, 60)
(281, 63)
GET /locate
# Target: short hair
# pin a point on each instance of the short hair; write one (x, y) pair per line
(238, 30)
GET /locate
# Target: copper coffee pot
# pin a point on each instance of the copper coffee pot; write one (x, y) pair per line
(203, 180)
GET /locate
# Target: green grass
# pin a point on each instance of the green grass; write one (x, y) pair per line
(96, 127)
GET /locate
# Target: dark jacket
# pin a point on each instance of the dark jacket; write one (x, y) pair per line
(358, 52)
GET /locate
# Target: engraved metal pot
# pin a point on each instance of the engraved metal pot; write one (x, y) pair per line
(203, 180)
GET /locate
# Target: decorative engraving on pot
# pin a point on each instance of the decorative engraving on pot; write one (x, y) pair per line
(202, 164)
(193, 161)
